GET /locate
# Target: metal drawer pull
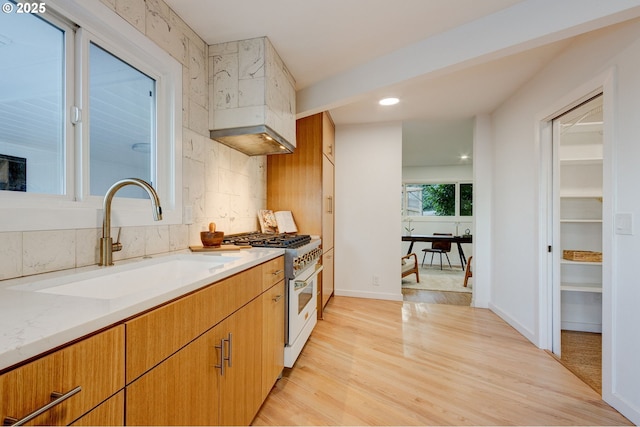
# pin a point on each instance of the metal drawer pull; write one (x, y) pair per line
(278, 272)
(228, 358)
(277, 298)
(58, 398)
(221, 365)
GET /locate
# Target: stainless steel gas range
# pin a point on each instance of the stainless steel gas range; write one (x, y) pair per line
(301, 257)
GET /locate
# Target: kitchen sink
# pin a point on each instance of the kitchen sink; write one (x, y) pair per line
(155, 274)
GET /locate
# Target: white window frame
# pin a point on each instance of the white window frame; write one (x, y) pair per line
(436, 218)
(76, 209)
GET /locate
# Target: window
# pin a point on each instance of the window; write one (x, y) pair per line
(81, 110)
(122, 113)
(33, 99)
(443, 199)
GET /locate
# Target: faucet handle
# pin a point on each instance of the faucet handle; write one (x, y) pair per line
(117, 246)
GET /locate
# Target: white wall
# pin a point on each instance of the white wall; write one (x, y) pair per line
(368, 175)
(517, 281)
(482, 215)
(437, 173)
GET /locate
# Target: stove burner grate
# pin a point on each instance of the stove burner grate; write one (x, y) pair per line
(268, 240)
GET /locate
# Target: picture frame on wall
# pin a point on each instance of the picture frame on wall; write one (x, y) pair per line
(13, 173)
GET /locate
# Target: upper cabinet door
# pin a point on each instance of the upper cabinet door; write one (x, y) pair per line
(328, 137)
(328, 204)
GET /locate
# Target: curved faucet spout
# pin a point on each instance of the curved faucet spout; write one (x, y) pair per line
(106, 243)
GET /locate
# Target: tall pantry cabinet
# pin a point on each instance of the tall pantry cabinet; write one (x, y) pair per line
(303, 183)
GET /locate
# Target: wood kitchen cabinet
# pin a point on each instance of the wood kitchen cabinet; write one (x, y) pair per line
(303, 183)
(216, 377)
(241, 383)
(95, 364)
(154, 336)
(108, 413)
(196, 360)
(214, 380)
(273, 312)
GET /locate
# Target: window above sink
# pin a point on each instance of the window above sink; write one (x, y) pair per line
(92, 100)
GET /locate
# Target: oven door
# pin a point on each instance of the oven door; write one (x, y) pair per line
(303, 290)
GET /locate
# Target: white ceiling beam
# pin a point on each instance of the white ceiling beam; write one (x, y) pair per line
(526, 25)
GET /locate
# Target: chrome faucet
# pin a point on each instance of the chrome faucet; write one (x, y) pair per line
(107, 247)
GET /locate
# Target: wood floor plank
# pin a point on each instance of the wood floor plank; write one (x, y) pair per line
(372, 362)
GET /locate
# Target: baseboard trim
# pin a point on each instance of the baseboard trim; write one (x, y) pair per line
(368, 295)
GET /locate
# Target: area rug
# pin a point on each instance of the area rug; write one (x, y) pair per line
(434, 279)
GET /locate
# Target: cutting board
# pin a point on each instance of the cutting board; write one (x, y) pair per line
(220, 248)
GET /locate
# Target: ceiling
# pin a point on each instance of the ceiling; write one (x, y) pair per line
(447, 60)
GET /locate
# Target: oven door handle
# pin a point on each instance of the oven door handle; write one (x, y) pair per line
(301, 284)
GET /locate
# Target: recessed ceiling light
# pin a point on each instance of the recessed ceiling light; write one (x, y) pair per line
(464, 157)
(389, 101)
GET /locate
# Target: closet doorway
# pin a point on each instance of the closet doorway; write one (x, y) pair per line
(577, 224)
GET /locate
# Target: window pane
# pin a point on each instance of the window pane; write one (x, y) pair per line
(32, 104)
(414, 200)
(439, 199)
(466, 199)
(122, 106)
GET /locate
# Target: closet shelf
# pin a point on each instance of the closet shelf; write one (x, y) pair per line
(567, 262)
(581, 287)
(581, 162)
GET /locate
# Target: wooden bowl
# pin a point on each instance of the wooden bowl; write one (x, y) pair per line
(210, 239)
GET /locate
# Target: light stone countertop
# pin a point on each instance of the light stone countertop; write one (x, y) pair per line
(33, 322)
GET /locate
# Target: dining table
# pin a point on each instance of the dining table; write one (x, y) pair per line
(458, 240)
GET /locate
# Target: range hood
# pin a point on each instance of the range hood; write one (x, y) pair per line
(253, 140)
(252, 98)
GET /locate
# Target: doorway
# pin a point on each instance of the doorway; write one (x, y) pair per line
(577, 152)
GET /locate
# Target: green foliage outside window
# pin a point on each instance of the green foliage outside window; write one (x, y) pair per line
(466, 199)
(439, 199)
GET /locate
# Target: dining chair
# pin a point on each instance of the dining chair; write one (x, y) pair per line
(438, 248)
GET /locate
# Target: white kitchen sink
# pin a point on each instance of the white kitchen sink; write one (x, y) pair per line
(156, 274)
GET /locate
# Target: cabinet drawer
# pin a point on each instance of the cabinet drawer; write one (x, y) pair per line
(95, 364)
(154, 336)
(109, 413)
(272, 272)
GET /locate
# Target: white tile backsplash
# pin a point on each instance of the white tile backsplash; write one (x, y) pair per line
(156, 240)
(10, 255)
(219, 184)
(133, 242)
(44, 251)
(88, 246)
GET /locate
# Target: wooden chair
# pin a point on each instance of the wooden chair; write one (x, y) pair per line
(410, 266)
(438, 248)
(468, 272)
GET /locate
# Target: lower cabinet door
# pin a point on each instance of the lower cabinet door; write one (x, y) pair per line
(272, 336)
(182, 390)
(108, 413)
(241, 382)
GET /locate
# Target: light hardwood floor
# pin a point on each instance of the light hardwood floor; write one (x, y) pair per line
(436, 297)
(372, 362)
